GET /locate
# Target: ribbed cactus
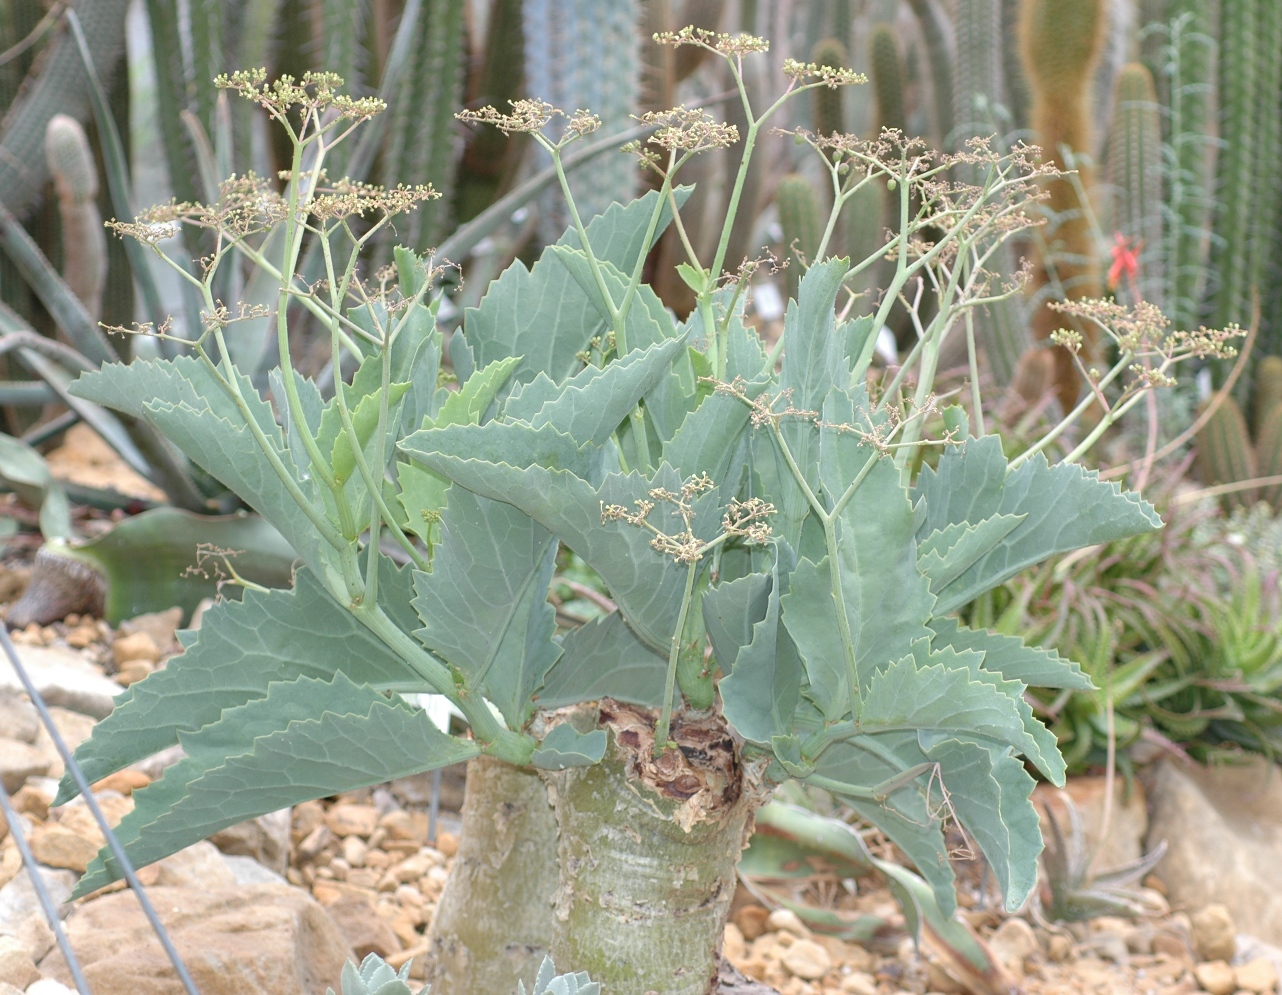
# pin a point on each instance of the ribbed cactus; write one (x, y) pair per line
(802, 221)
(1268, 389)
(1265, 253)
(423, 140)
(933, 24)
(1268, 450)
(978, 74)
(1225, 454)
(1135, 173)
(1187, 64)
(887, 77)
(75, 179)
(585, 54)
(827, 110)
(1060, 44)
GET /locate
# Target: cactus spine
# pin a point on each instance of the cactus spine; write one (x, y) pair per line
(887, 78)
(800, 217)
(84, 241)
(1135, 168)
(1060, 45)
(1224, 452)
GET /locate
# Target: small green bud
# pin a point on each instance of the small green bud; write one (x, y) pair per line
(891, 184)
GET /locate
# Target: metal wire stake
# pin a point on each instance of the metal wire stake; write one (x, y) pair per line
(42, 893)
(118, 851)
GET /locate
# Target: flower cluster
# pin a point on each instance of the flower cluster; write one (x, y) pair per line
(830, 76)
(734, 46)
(681, 129)
(317, 91)
(246, 206)
(350, 198)
(527, 116)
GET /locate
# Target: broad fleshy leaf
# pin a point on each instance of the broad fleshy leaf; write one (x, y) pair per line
(1011, 657)
(604, 658)
(566, 747)
(1065, 508)
(484, 606)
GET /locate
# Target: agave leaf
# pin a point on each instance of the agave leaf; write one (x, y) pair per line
(484, 606)
(305, 739)
(1065, 508)
(603, 658)
(156, 560)
(239, 650)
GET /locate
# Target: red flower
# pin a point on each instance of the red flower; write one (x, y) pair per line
(1126, 262)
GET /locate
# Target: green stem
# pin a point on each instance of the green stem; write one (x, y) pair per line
(1075, 414)
(973, 357)
(669, 684)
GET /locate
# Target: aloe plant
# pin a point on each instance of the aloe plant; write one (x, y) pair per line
(784, 586)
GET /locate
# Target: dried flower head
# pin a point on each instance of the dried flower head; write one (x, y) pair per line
(246, 206)
(582, 123)
(317, 91)
(830, 76)
(352, 198)
(527, 117)
(682, 129)
(733, 46)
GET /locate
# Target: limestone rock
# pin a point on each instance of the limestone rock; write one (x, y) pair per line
(18, 900)
(45, 986)
(352, 820)
(266, 839)
(35, 936)
(66, 678)
(1214, 933)
(807, 960)
(246, 870)
(234, 941)
(1258, 975)
(1223, 828)
(19, 761)
(138, 646)
(18, 717)
(859, 983)
(74, 727)
(159, 627)
(55, 846)
(197, 866)
(1215, 977)
(8, 989)
(787, 921)
(16, 967)
(1012, 942)
(365, 931)
(1128, 822)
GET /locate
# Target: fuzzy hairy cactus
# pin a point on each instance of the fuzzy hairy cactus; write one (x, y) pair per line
(1225, 454)
(829, 115)
(933, 24)
(1060, 43)
(549, 982)
(978, 72)
(75, 178)
(1135, 169)
(887, 66)
(800, 217)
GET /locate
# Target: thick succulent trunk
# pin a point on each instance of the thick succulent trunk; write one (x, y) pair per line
(494, 920)
(648, 852)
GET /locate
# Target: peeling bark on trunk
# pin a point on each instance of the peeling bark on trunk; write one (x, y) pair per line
(648, 853)
(494, 921)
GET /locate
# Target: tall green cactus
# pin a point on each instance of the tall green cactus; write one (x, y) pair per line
(75, 180)
(933, 24)
(801, 219)
(1225, 454)
(827, 108)
(1187, 64)
(1265, 253)
(1135, 173)
(423, 139)
(978, 89)
(887, 77)
(585, 54)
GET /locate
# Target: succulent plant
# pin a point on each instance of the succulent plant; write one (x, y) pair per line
(376, 977)
(548, 982)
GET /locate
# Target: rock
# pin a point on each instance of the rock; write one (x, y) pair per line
(859, 983)
(447, 843)
(46, 986)
(1128, 822)
(8, 989)
(352, 820)
(234, 941)
(246, 870)
(19, 761)
(751, 920)
(733, 947)
(365, 931)
(807, 960)
(133, 672)
(74, 728)
(16, 966)
(138, 646)
(18, 717)
(18, 900)
(1214, 933)
(1215, 977)
(35, 936)
(1223, 828)
(197, 866)
(354, 850)
(159, 627)
(125, 781)
(1258, 975)
(266, 839)
(1012, 942)
(786, 920)
(66, 678)
(55, 846)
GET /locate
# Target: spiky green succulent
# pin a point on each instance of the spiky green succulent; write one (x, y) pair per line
(376, 977)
